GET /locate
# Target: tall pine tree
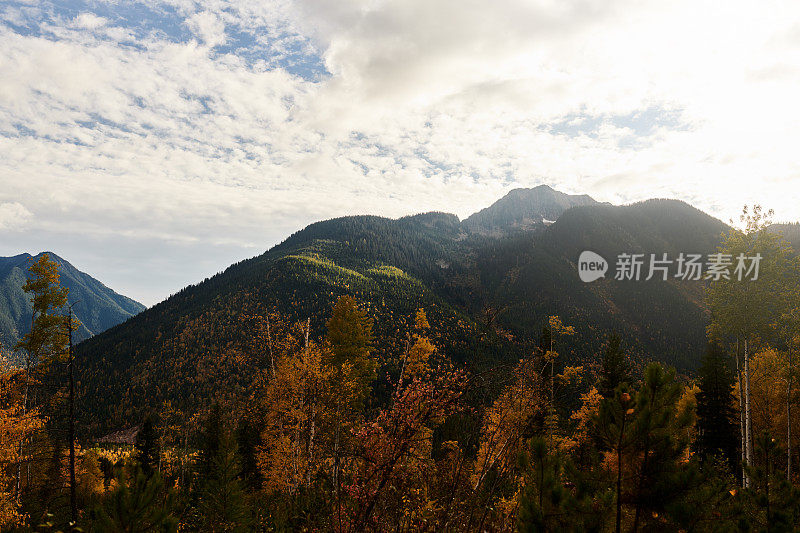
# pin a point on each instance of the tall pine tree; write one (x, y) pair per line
(148, 446)
(616, 367)
(717, 431)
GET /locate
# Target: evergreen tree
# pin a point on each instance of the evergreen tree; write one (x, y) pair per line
(647, 434)
(354, 369)
(45, 342)
(547, 503)
(771, 503)
(545, 340)
(211, 438)
(660, 429)
(248, 439)
(350, 338)
(717, 430)
(616, 367)
(222, 502)
(614, 428)
(46, 338)
(137, 504)
(148, 446)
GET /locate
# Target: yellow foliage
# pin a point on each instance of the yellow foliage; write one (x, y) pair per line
(768, 390)
(421, 320)
(504, 424)
(16, 426)
(418, 356)
(296, 406)
(590, 406)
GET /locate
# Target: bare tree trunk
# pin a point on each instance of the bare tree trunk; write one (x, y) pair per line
(28, 361)
(618, 528)
(72, 483)
(741, 414)
(269, 347)
(24, 414)
(312, 427)
(311, 435)
(748, 423)
(789, 421)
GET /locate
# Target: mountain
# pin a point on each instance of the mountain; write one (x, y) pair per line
(524, 209)
(98, 307)
(487, 295)
(790, 232)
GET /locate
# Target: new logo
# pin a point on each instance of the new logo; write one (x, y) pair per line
(591, 266)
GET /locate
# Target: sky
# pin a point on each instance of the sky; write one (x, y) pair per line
(152, 143)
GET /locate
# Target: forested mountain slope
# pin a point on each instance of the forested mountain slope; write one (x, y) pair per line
(98, 307)
(487, 297)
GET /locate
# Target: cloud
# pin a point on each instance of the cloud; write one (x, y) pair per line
(13, 216)
(234, 124)
(89, 21)
(208, 27)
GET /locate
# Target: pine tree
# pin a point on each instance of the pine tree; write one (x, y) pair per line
(547, 503)
(647, 436)
(660, 429)
(771, 503)
(716, 418)
(614, 427)
(211, 438)
(137, 504)
(148, 446)
(353, 370)
(46, 338)
(248, 439)
(616, 367)
(46, 341)
(350, 338)
(223, 504)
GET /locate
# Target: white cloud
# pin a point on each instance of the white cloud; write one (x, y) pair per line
(14, 216)
(89, 21)
(208, 27)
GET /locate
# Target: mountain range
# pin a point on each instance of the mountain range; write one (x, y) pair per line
(98, 307)
(488, 285)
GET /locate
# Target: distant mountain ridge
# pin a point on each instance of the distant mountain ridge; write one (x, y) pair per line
(524, 209)
(98, 307)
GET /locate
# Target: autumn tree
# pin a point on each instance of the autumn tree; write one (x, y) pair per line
(390, 480)
(518, 414)
(557, 329)
(747, 303)
(298, 408)
(46, 340)
(352, 370)
(419, 348)
(16, 425)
